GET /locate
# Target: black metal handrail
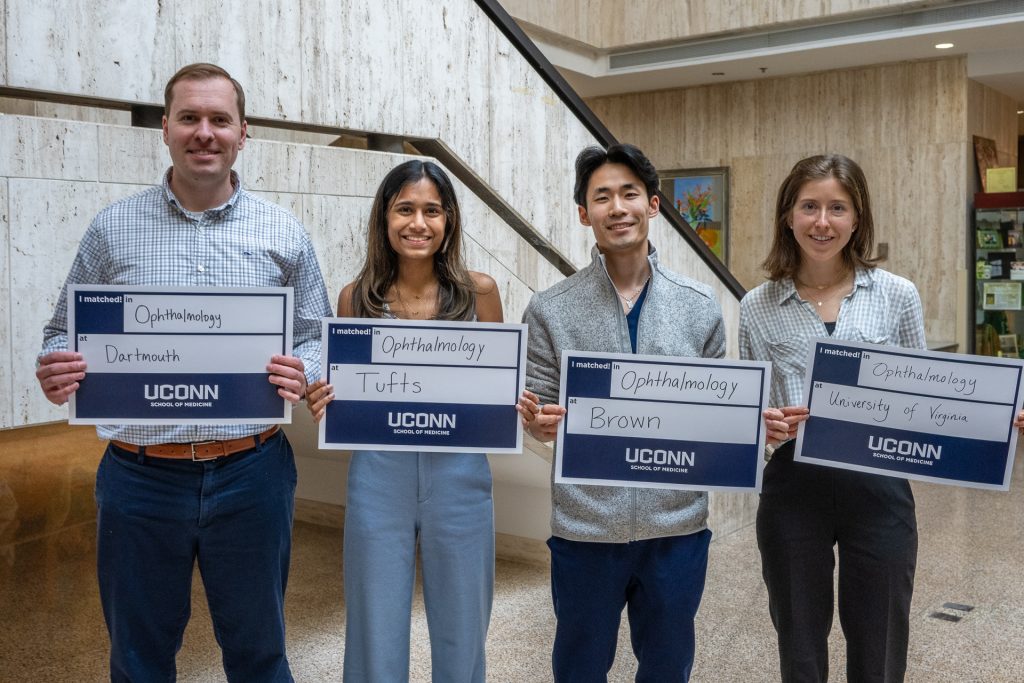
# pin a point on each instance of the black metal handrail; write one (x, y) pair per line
(529, 50)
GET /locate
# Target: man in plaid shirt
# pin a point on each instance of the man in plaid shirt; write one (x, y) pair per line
(220, 495)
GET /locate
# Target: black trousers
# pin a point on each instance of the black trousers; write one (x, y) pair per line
(806, 510)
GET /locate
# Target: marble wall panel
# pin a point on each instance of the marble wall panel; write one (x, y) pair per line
(340, 171)
(131, 155)
(991, 114)
(447, 95)
(353, 56)
(6, 349)
(46, 148)
(532, 146)
(3, 42)
(614, 23)
(56, 110)
(47, 221)
(114, 49)
(515, 294)
(226, 32)
(337, 226)
(275, 166)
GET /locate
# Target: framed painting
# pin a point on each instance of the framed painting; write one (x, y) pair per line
(701, 195)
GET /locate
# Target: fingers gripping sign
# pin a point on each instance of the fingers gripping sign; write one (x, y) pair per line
(59, 374)
(541, 421)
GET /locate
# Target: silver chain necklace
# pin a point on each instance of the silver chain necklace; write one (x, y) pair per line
(630, 300)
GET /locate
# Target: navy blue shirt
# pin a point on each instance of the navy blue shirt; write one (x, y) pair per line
(633, 317)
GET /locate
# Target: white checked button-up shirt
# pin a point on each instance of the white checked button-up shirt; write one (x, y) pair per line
(150, 239)
(776, 325)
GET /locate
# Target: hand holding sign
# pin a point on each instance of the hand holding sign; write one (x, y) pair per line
(540, 420)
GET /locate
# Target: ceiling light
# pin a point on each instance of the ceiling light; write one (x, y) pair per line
(717, 73)
(943, 46)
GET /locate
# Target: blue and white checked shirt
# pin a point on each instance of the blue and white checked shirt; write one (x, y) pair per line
(150, 239)
(776, 325)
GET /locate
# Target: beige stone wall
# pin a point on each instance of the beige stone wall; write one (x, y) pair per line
(906, 124)
(993, 115)
(610, 24)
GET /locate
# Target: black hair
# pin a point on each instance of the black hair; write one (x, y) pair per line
(593, 157)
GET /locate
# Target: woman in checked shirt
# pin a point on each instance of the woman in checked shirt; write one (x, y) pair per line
(823, 282)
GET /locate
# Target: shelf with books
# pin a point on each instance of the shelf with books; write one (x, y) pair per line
(997, 287)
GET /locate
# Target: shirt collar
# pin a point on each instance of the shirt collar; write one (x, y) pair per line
(652, 255)
(862, 277)
(236, 183)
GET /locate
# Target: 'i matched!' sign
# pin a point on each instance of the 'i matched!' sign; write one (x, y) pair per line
(661, 422)
(407, 385)
(178, 355)
(933, 416)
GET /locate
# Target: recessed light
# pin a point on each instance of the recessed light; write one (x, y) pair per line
(943, 46)
(1020, 111)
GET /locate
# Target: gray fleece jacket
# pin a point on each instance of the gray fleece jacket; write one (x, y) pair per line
(680, 317)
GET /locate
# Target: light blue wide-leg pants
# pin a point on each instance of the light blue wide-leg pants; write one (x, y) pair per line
(443, 501)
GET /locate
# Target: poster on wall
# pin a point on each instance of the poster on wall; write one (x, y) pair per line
(702, 197)
(1001, 296)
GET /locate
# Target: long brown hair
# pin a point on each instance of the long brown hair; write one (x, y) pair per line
(784, 258)
(455, 290)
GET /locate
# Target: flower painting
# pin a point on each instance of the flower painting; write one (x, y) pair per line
(701, 198)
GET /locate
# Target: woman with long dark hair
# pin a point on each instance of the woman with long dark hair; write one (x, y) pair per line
(396, 501)
(823, 282)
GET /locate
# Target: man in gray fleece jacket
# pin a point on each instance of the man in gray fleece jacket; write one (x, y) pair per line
(616, 546)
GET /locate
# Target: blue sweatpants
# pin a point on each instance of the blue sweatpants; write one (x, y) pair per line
(442, 501)
(659, 580)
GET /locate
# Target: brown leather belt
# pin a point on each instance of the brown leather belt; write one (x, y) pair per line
(202, 450)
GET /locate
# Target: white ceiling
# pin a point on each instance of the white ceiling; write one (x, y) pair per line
(994, 46)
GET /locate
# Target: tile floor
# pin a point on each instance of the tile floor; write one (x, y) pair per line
(51, 628)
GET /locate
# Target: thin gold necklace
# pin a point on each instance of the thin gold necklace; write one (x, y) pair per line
(406, 309)
(810, 289)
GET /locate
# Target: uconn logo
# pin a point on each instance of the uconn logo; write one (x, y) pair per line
(422, 420)
(182, 392)
(911, 449)
(657, 456)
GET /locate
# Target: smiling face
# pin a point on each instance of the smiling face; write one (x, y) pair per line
(823, 220)
(203, 132)
(416, 221)
(618, 209)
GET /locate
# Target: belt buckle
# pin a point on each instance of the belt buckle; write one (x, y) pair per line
(195, 458)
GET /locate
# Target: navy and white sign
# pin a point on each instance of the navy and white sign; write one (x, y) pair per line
(938, 417)
(178, 355)
(662, 422)
(412, 385)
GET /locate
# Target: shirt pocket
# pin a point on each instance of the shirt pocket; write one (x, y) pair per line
(870, 332)
(788, 356)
